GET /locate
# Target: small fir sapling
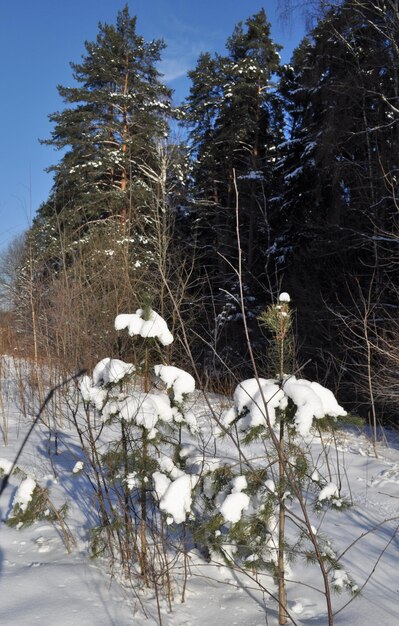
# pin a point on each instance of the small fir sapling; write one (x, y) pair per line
(247, 502)
(143, 462)
(31, 503)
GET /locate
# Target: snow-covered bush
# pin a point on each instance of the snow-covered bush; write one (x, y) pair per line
(140, 480)
(255, 512)
(31, 504)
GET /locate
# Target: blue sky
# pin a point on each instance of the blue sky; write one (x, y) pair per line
(38, 39)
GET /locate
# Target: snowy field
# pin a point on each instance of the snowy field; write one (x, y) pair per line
(41, 583)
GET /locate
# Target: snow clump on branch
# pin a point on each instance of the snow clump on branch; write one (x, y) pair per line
(24, 493)
(110, 371)
(181, 382)
(250, 398)
(236, 502)
(177, 498)
(257, 401)
(312, 401)
(155, 326)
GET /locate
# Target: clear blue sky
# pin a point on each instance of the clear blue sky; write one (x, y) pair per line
(38, 39)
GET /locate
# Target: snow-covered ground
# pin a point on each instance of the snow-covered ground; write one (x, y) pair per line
(40, 583)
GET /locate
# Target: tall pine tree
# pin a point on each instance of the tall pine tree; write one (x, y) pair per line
(114, 118)
(98, 242)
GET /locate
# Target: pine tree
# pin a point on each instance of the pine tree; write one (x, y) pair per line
(114, 118)
(102, 235)
(141, 453)
(247, 501)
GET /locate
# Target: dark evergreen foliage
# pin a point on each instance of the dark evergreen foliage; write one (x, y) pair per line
(334, 238)
(236, 122)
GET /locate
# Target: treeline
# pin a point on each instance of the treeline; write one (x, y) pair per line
(287, 178)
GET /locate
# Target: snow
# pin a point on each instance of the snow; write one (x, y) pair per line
(258, 400)
(233, 506)
(91, 394)
(312, 401)
(166, 465)
(155, 326)
(176, 501)
(5, 466)
(200, 464)
(328, 400)
(145, 409)
(308, 404)
(236, 502)
(161, 483)
(131, 480)
(340, 579)
(24, 493)
(238, 484)
(252, 175)
(328, 492)
(41, 583)
(296, 172)
(176, 379)
(111, 371)
(77, 467)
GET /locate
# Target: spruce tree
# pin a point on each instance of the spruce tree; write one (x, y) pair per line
(338, 202)
(235, 121)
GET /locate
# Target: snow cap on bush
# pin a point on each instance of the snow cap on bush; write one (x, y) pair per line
(95, 395)
(110, 371)
(24, 493)
(181, 382)
(312, 401)
(155, 326)
(258, 400)
(176, 500)
(145, 409)
(233, 506)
